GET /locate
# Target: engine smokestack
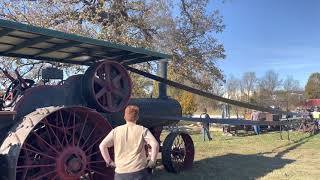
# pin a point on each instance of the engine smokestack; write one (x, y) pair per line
(163, 67)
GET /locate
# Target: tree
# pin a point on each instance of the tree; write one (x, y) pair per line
(233, 88)
(266, 87)
(248, 83)
(185, 29)
(290, 85)
(188, 104)
(312, 89)
(291, 88)
(270, 82)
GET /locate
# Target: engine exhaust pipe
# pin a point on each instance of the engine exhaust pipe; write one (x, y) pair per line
(163, 69)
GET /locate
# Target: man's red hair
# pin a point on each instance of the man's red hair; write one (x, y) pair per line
(131, 113)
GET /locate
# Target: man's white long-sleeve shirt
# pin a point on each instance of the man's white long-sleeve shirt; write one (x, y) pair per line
(129, 142)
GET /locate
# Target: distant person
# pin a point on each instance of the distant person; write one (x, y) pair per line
(255, 117)
(205, 125)
(306, 114)
(129, 142)
(225, 111)
(225, 114)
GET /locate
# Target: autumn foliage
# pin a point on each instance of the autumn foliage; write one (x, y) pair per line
(312, 89)
(188, 103)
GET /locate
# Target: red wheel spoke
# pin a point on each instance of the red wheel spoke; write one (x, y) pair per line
(54, 133)
(63, 127)
(48, 133)
(34, 148)
(96, 141)
(37, 152)
(101, 92)
(25, 172)
(104, 100)
(44, 141)
(92, 154)
(55, 177)
(99, 81)
(43, 175)
(74, 128)
(36, 166)
(107, 72)
(116, 81)
(88, 136)
(68, 122)
(84, 125)
(119, 93)
(109, 99)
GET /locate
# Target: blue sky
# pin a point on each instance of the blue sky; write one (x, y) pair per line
(283, 35)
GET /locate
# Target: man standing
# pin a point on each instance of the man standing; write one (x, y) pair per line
(255, 117)
(129, 142)
(205, 125)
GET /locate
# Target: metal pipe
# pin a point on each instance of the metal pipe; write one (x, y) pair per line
(163, 69)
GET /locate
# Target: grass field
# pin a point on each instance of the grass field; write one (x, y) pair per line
(252, 157)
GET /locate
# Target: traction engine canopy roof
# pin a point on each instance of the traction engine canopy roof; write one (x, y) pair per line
(26, 41)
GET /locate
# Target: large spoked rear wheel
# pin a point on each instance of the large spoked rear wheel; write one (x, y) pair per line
(60, 144)
(177, 152)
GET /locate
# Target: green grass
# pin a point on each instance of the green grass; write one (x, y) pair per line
(252, 157)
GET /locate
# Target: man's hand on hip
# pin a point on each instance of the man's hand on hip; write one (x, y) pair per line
(111, 164)
(151, 164)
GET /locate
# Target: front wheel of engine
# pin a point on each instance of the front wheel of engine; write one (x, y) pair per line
(177, 152)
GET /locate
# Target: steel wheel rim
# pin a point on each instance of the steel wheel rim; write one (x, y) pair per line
(64, 145)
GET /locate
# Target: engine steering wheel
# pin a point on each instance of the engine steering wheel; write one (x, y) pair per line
(15, 89)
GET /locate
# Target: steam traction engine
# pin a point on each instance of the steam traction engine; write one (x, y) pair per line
(54, 131)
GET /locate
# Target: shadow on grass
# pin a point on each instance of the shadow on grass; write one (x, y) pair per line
(235, 166)
(289, 147)
(229, 166)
